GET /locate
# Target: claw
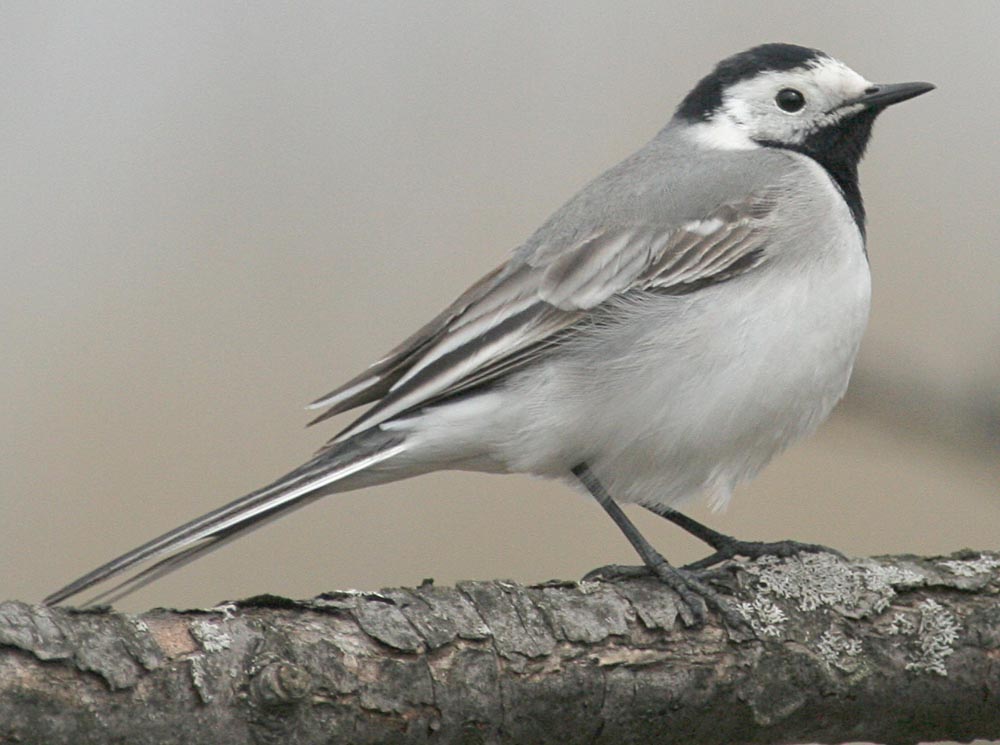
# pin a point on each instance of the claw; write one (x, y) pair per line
(616, 572)
(695, 595)
(756, 549)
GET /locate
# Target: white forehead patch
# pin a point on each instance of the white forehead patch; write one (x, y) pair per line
(826, 83)
(749, 112)
(834, 76)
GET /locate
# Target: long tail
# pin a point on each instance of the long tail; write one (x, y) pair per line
(182, 545)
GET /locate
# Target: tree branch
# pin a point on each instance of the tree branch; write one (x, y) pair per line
(895, 650)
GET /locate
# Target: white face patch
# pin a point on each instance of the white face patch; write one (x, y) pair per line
(749, 113)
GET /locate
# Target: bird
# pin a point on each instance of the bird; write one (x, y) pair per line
(685, 317)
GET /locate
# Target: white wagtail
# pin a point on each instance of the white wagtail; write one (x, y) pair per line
(685, 317)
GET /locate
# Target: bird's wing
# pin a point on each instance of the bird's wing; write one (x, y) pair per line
(522, 308)
(375, 381)
(503, 322)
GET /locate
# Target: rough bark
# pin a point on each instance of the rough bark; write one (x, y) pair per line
(895, 650)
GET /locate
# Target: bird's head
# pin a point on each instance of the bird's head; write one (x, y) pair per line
(783, 95)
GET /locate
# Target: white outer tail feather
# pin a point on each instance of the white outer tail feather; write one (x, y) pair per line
(182, 545)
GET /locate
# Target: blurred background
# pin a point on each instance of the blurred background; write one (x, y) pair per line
(215, 212)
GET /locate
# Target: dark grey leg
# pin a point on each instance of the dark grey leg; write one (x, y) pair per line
(726, 547)
(693, 592)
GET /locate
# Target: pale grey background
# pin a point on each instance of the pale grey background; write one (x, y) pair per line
(213, 213)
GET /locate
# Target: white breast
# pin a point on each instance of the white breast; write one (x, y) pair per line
(696, 393)
(689, 394)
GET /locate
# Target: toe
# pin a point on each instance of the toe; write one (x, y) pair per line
(615, 572)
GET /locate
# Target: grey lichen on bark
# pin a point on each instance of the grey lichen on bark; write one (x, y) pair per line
(897, 649)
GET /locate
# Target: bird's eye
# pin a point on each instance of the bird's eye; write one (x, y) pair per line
(790, 100)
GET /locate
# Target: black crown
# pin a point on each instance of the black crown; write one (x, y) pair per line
(706, 97)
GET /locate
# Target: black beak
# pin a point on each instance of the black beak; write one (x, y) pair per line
(880, 96)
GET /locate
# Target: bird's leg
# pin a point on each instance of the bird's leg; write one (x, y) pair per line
(693, 592)
(726, 547)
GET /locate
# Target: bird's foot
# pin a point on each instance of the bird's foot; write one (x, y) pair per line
(616, 572)
(694, 593)
(728, 548)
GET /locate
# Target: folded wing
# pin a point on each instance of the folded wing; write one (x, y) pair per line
(521, 309)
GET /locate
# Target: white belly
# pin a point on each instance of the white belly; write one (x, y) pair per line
(691, 394)
(676, 396)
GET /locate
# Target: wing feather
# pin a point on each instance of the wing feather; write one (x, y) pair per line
(447, 373)
(375, 382)
(519, 311)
